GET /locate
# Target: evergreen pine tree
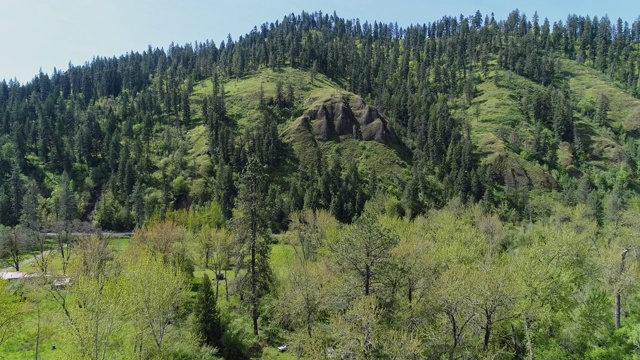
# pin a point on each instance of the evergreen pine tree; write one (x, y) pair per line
(411, 198)
(280, 99)
(5, 207)
(137, 203)
(15, 192)
(252, 231)
(314, 70)
(208, 315)
(602, 109)
(186, 108)
(225, 190)
(66, 202)
(30, 216)
(290, 96)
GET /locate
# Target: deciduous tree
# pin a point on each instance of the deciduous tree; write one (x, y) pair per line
(13, 245)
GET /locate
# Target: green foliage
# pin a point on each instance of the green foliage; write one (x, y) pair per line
(130, 126)
(536, 122)
(207, 315)
(225, 190)
(111, 214)
(251, 229)
(365, 251)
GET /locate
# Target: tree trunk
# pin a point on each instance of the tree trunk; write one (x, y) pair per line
(454, 331)
(617, 310)
(254, 279)
(487, 330)
(527, 326)
(139, 340)
(62, 241)
(217, 283)
(367, 277)
(15, 250)
(226, 285)
(308, 318)
(64, 265)
(618, 299)
(367, 338)
(16, 263)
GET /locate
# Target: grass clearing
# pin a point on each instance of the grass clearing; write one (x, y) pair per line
(587, 84)
(497, 119)
(242, 95)
(281, 258)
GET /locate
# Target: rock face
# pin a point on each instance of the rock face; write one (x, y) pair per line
(348, 117)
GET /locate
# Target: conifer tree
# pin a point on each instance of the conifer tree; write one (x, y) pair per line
(411, 197)
(280, 99)
(15, 193)
(5, 207)
(30, 216)
(225, 189)
(252, 231)
(208, 315)
(290, 96)
(66, 202)
(602, 109)
(186, 108)
(365, 251)
(137, 203)
(313, 72)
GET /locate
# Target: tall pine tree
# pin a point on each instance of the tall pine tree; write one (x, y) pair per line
(208, 315)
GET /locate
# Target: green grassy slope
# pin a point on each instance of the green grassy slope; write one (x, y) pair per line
(242, 102)
(502, 131)
(498, 122)
(502, 125)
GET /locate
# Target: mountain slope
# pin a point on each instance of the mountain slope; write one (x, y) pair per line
(463, 107)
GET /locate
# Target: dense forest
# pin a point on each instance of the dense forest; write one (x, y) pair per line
(466, 188)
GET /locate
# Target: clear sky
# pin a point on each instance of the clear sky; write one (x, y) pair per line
(45, 34)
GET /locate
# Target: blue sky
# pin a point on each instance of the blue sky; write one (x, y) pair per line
(51, 33)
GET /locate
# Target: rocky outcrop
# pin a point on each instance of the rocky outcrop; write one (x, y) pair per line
(348, 116)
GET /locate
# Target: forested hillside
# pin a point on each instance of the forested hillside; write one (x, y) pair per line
(466, 188)
(480, 110)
